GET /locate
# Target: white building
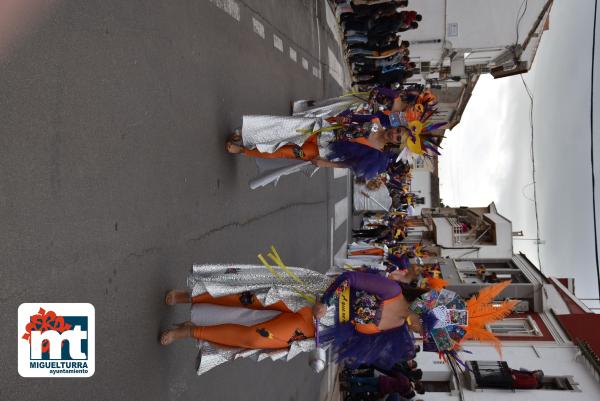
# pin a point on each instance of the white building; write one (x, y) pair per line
(552, 330)
(470, 233)
(459, 39)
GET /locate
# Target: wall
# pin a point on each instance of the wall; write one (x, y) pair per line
(466, 25)
(555, 360)
(421, 181)
(490, 23)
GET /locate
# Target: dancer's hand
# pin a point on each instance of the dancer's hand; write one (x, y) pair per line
(319, 310)
(320, 162)
(399, 276)
(343, 120)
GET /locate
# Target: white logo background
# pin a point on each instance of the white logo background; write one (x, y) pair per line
(74, 335)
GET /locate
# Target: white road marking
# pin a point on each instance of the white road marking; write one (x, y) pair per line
(230, 7)
(332, 23)
(318, 26)
(335, 68)
(277, 43)
(341, 212)
(342, 251)
(293, 55)
(331, 231)
(315, 72)
(258, 27)
(305, 63)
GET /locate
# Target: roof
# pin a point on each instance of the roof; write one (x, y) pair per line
(580, 324)
(532, 41)
(519, 57)
(573, 303)
(582, 328)
(535, 269)
(435, 185)
(463, 101)
(492, 208)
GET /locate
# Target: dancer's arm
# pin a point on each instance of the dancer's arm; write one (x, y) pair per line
(328, 163)
(397, 106)
(391, 94)
(372, 283)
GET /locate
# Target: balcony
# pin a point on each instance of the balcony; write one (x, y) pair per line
(488, 374)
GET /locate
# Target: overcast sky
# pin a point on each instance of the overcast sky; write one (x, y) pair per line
(487, 156)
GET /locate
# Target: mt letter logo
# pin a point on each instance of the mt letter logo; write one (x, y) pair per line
(56, 340)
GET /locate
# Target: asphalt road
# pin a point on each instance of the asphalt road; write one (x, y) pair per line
(113, 181)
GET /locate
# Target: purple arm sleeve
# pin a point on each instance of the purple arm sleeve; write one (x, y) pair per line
(366, 118)
(372, 283)
(387, 92)
(361, 118)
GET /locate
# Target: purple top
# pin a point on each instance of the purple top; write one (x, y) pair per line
(353, 348)
(387, 92)
(375, 284)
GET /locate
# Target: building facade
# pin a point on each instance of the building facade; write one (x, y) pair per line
(458, 40)
(550, 330)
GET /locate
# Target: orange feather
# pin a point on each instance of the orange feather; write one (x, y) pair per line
(436, 283)
(481, 312)
(489, 313)
(486, 295)
(481, 334)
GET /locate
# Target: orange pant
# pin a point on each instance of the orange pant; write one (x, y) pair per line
(310, 151)
(272, 334)
(370, 251)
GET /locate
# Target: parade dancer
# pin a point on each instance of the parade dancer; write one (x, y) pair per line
(339, 145)
(253, 311)
(281, 327)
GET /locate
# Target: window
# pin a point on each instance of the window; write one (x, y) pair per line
(489, 374)
(498, 375)
(525, 327)
(489, 271)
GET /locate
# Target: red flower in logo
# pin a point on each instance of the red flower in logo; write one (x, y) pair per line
(44, 321)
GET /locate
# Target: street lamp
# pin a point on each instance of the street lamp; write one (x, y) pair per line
(518, 235)
(537, 240)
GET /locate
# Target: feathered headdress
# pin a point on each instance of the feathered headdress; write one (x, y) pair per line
(416, 119)
(448, 320)
(482, 311)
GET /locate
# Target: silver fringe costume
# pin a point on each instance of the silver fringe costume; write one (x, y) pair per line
(220, 280)
(328, 107)
(269, 133)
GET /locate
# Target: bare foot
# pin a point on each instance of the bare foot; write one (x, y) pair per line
(168, 336)
(233, 148)
(177, 297)
(236, 136)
